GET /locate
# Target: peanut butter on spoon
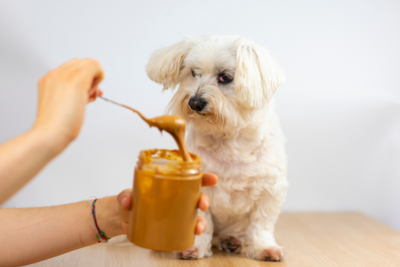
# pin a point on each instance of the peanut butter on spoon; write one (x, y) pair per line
(174, 125)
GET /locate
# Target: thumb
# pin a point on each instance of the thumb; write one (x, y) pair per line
(125, 199)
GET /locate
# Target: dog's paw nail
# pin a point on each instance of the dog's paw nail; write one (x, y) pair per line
(273, 254)
(231, 244)
(189, 254)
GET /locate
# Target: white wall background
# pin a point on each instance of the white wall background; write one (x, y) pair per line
(340, 108)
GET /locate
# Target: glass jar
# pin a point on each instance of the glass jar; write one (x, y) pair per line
(166, 192)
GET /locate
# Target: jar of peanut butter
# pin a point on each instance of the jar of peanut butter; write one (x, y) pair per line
(166, 191)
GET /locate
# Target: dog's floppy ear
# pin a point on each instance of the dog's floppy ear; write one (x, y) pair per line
(257, 74)
(165, 64)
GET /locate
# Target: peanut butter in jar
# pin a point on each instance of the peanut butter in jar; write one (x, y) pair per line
(166, 191)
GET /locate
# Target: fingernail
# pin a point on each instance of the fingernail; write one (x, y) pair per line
(201, 228)
(123, 199)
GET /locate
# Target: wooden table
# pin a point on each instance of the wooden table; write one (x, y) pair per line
(310, 239)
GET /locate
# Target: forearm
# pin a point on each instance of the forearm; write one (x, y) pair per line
(35, 234)
(23, 157)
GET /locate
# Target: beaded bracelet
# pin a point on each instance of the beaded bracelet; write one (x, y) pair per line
(101, 236)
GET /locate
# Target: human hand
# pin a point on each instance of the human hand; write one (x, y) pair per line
(63, 95)
(118, 208)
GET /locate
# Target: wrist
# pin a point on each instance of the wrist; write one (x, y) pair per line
(49, 140)
(108, 217)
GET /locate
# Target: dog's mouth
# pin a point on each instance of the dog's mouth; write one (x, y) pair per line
(201, 114)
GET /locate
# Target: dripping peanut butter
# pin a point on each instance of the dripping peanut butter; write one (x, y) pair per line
(172, 124)
(166, 191)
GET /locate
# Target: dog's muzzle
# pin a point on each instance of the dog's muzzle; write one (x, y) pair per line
(197, 103)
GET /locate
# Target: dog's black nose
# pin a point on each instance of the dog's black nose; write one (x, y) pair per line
(197, 103)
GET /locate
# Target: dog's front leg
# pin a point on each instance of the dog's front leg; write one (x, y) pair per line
(202, 243)
(260, 233)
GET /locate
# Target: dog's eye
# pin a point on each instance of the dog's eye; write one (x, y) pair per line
(193, 73)
(223, 78)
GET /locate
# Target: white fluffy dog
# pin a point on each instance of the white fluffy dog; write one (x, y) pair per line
(226, 84)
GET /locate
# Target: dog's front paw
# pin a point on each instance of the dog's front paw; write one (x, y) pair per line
(189, 254)
(231, 244)
(195, 253)
(273, 253)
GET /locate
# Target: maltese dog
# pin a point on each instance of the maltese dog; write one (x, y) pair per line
(226, 87)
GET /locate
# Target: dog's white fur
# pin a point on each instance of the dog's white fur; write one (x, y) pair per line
(237, 135)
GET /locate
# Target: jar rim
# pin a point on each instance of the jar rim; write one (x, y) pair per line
(172, 166)
(147, 156)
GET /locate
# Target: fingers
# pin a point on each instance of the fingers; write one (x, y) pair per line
(203, 202)
(209, 179)
(125, 199)
(201, 225)
(94, 94)
(92, 68)
(68, 64)
(87, 70)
